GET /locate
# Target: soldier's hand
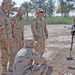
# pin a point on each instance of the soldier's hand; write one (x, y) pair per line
(35, 37)
(46, 36)
(5, 43)
(11, 40)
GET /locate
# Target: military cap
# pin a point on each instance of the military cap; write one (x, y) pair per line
(29, 42)
(22, 9)
(39, 10)
(7, 1)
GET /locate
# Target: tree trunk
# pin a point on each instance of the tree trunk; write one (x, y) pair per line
(27, 17)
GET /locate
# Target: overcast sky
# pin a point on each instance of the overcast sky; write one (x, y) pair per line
(17, 1)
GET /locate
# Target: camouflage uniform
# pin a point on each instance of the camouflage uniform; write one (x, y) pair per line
(39, 29)
(17, 33)
(23, 64)
(5, 37)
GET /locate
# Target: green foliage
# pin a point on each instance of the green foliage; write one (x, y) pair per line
(28, 21)
(13, 8)
(47, 5)
(50, 7)
(37, 3)
(27, 6)
(59, 20)
(53, 20)
(65, 7)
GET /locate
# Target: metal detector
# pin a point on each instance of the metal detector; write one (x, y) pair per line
(70, 55)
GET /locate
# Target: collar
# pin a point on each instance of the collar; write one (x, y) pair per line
(18, 17)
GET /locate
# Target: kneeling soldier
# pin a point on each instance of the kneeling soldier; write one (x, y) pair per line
(23, 63)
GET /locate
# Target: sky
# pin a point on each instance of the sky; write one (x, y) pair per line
(19, 2)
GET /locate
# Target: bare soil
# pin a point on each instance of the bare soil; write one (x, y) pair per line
(57, 48)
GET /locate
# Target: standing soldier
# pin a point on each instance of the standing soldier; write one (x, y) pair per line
(17, 33)
(5, 35)
(39, 31)
(17, 24)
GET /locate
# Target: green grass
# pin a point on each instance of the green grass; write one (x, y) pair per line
(59, 20)
(28, 21)
(53, 20)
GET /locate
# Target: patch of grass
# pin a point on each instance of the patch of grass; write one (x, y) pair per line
(53, 20)
(28, 21)
(59, 20)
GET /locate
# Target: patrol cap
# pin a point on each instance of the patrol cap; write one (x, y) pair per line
(29, 42)
(22, 9)
(39, 10)
(7, 1)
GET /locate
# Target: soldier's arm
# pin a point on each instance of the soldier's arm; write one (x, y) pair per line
(22, 28)
(2, 24)
(8, 29)
(33, 26)
(12, 22)
(45, 28)
(38, 58)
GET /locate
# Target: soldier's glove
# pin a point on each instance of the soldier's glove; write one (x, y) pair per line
(35, 37)
(46, 36)
(5, 43)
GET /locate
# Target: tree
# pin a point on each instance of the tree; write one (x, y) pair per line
(27, 5)
(50, 7)
(37, 3)
(12, 9)
(45, 9)
(62, 7)
(65, 7)
(47, 5)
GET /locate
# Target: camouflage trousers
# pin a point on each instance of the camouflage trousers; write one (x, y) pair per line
(5, 53)
(40, 47)
(13, 51)
(19, 43)
(15, 46)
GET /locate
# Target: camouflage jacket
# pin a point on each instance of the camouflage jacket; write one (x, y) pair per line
(17, 24)
(38, 27)
(5, 27)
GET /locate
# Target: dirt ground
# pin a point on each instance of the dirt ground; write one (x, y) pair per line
(57, 48)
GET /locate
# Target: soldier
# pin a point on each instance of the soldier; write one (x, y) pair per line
(39, 31)
(72, 33)
(17, 24)
(17, 33)
(23, 63)
(5, 35)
